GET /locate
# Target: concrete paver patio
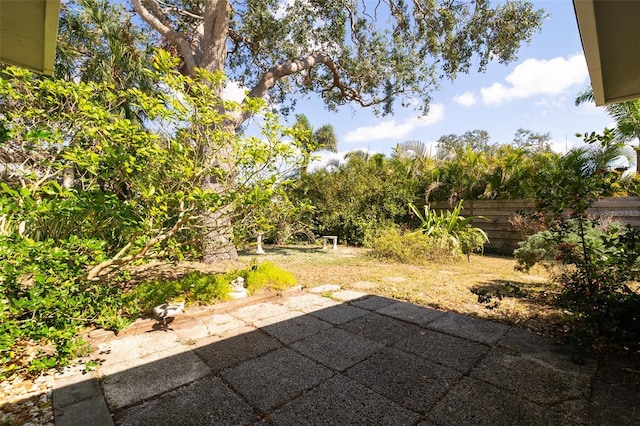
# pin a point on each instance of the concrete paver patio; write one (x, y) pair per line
(302, 358)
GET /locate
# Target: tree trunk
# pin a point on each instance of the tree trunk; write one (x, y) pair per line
(217, 237)
(208, 51)
(217, 226)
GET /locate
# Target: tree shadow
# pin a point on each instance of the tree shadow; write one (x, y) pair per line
(491, 293)
(283, 250)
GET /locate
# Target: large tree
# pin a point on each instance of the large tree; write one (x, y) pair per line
(531, 141)
(452, 145)
(370, 53)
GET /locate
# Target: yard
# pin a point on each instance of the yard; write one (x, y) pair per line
(513, 297)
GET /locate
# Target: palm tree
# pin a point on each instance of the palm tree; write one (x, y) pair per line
(416, 153)
(626, 115)
(323, 139)
(97, 42)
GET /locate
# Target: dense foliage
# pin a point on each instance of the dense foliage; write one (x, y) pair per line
(368, 192)
(87, 191)
(597, 265)
(443, 236)
(344, 50)
(356, 200)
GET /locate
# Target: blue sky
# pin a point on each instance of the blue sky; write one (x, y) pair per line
(535, 92)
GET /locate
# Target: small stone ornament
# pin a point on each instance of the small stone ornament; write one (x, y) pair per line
(168, 310)
(238, 291)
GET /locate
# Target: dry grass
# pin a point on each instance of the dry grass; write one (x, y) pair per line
(451, 287)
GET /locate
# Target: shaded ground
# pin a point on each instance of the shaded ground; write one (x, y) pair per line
(514, 298)
(336, 357)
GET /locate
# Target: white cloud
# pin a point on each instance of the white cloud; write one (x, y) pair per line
(234, 92)
(560, 146)
(538, 77)
(466, 99)
(588, 108)
(391, 129)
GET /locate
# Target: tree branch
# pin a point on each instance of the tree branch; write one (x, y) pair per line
(154, 16)
(94, 273)
(271, 77)
(215, 31)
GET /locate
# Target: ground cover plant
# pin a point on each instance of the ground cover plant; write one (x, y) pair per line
(195, 287)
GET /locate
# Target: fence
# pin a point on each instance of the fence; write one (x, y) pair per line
(502, 214)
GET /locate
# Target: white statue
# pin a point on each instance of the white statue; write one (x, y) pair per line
(238, 290)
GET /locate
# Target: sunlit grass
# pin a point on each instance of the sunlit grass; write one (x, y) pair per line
(517, 298)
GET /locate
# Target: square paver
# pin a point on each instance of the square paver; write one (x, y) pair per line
(253, 313)
(73, 388)
(308, 302)
(275, 378)
(472, 402)
(409, 380)
(339, 314)
(476, 329)
(337, 348)
(190, 334)
(137, 346)
(545, 349)
(219, 353)
(411, 313)
(614, 405)
(137, 383)
(341, 401)
(373, 303)
(531, 378)
(348, 295)
(92, 411)
(443, 349)
(207, 401)
(381, 328)
(292, 326)
(222, 324)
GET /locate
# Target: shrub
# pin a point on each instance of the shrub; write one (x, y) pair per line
(603, 267)
(194, 287)
(411, 247)
(599, 264)
(95, 191)
(359, 197)
(45, 301)
(267, 275)
(450, 228)
(547, 247)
